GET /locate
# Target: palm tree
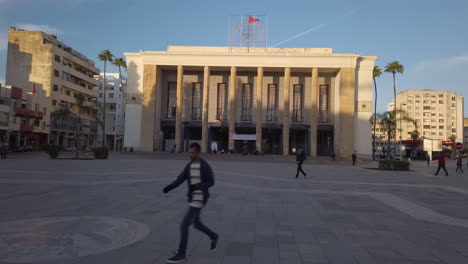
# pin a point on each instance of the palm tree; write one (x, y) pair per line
(376, 73)
(415, 134)
(388, 121)
(394, 67)
(105, 56)
(119, 62)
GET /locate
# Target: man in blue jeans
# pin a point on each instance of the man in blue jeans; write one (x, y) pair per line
(199, 177)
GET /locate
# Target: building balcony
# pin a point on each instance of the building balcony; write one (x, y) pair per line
(75, 86)
(84, 77)
(39, 115)
(16, 93)
(26, 128)
(25, 112)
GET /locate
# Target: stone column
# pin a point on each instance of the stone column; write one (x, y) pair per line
(286, 111)
(232, 106)
(206, 83)
(259, 113)
(347, 111)
(314, 113)
(148, 108)
(179, 108)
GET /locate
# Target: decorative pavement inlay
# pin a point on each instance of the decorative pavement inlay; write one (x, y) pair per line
(58, 238)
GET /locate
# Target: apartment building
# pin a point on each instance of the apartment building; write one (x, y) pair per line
(115, 87)
(39, 62)
(465, 133)
(438, 114)
(4, 114)
(26, 127)
(274, 100)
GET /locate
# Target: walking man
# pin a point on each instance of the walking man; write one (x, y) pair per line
(441, 164)
(354, 157)
(428, 159)
(300, 157)
(199, 177)
(333, 156)
(3, 151)
(459, 164)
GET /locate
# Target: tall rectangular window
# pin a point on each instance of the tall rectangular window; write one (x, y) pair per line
(297, 102)
(246, 114)
(323, 103)
(171, 100)
(221, 104)
(65, 76)
(196, 101)
(272, 102)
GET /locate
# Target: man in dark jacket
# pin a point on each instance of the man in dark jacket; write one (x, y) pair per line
(300, 157)
(354, 158)
(441, 164)
(199, 177)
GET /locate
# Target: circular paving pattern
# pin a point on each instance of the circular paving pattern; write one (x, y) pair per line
(49, 239)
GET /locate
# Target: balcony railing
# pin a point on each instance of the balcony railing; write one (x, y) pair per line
(16, 93)
(271, 115)
(25, 112)
(246, 114)
(26, 128)
(39, 115)
(297, 115)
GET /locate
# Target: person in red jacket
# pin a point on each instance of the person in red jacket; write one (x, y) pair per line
(441, 164)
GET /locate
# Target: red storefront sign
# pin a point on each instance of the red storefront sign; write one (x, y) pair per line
(412, 143)
(446, 142)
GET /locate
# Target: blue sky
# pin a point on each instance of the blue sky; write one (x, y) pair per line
(428, 37)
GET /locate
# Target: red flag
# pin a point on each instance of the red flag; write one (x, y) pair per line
(253, 19)
(34, 88)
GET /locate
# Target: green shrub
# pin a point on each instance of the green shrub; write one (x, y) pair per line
(394, 165)
(52, 150)
(101, 153)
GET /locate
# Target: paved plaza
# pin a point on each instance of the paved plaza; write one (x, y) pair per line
(114, 211)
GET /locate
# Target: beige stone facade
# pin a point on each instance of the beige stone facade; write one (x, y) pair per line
(57, 72)
(273, 100)
(439, 114)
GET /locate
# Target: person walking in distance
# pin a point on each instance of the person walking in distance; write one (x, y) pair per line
(441, 164)
(428, 159)
(300, 157)
(3, 151)
(354, 157)
(200, 178)
(333, 156)
(459, 164)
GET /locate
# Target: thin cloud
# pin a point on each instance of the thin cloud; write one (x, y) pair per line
(441, 63)
(46, 28)
(300, 34)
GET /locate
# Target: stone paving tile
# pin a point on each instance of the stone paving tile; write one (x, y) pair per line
(263, 216)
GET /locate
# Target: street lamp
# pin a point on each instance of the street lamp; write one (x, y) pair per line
(401, 129)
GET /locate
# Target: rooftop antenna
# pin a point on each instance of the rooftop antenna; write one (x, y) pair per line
(247, 31)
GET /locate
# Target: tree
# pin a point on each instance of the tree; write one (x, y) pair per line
(394, 67)
(65, 115)
(388, 122)
(105, 56)
(415, 135)
(452, 138)
(119, 62)
(376, 73)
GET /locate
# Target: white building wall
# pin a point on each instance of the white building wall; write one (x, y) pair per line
(363, 101)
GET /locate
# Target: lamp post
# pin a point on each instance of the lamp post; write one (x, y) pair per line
(401, 128)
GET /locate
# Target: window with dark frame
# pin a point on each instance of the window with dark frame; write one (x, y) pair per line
(171, 100)
(246, 114)
(272, 103)
(196, 101)
(297, 102)
(221, 104)
(323, 103)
